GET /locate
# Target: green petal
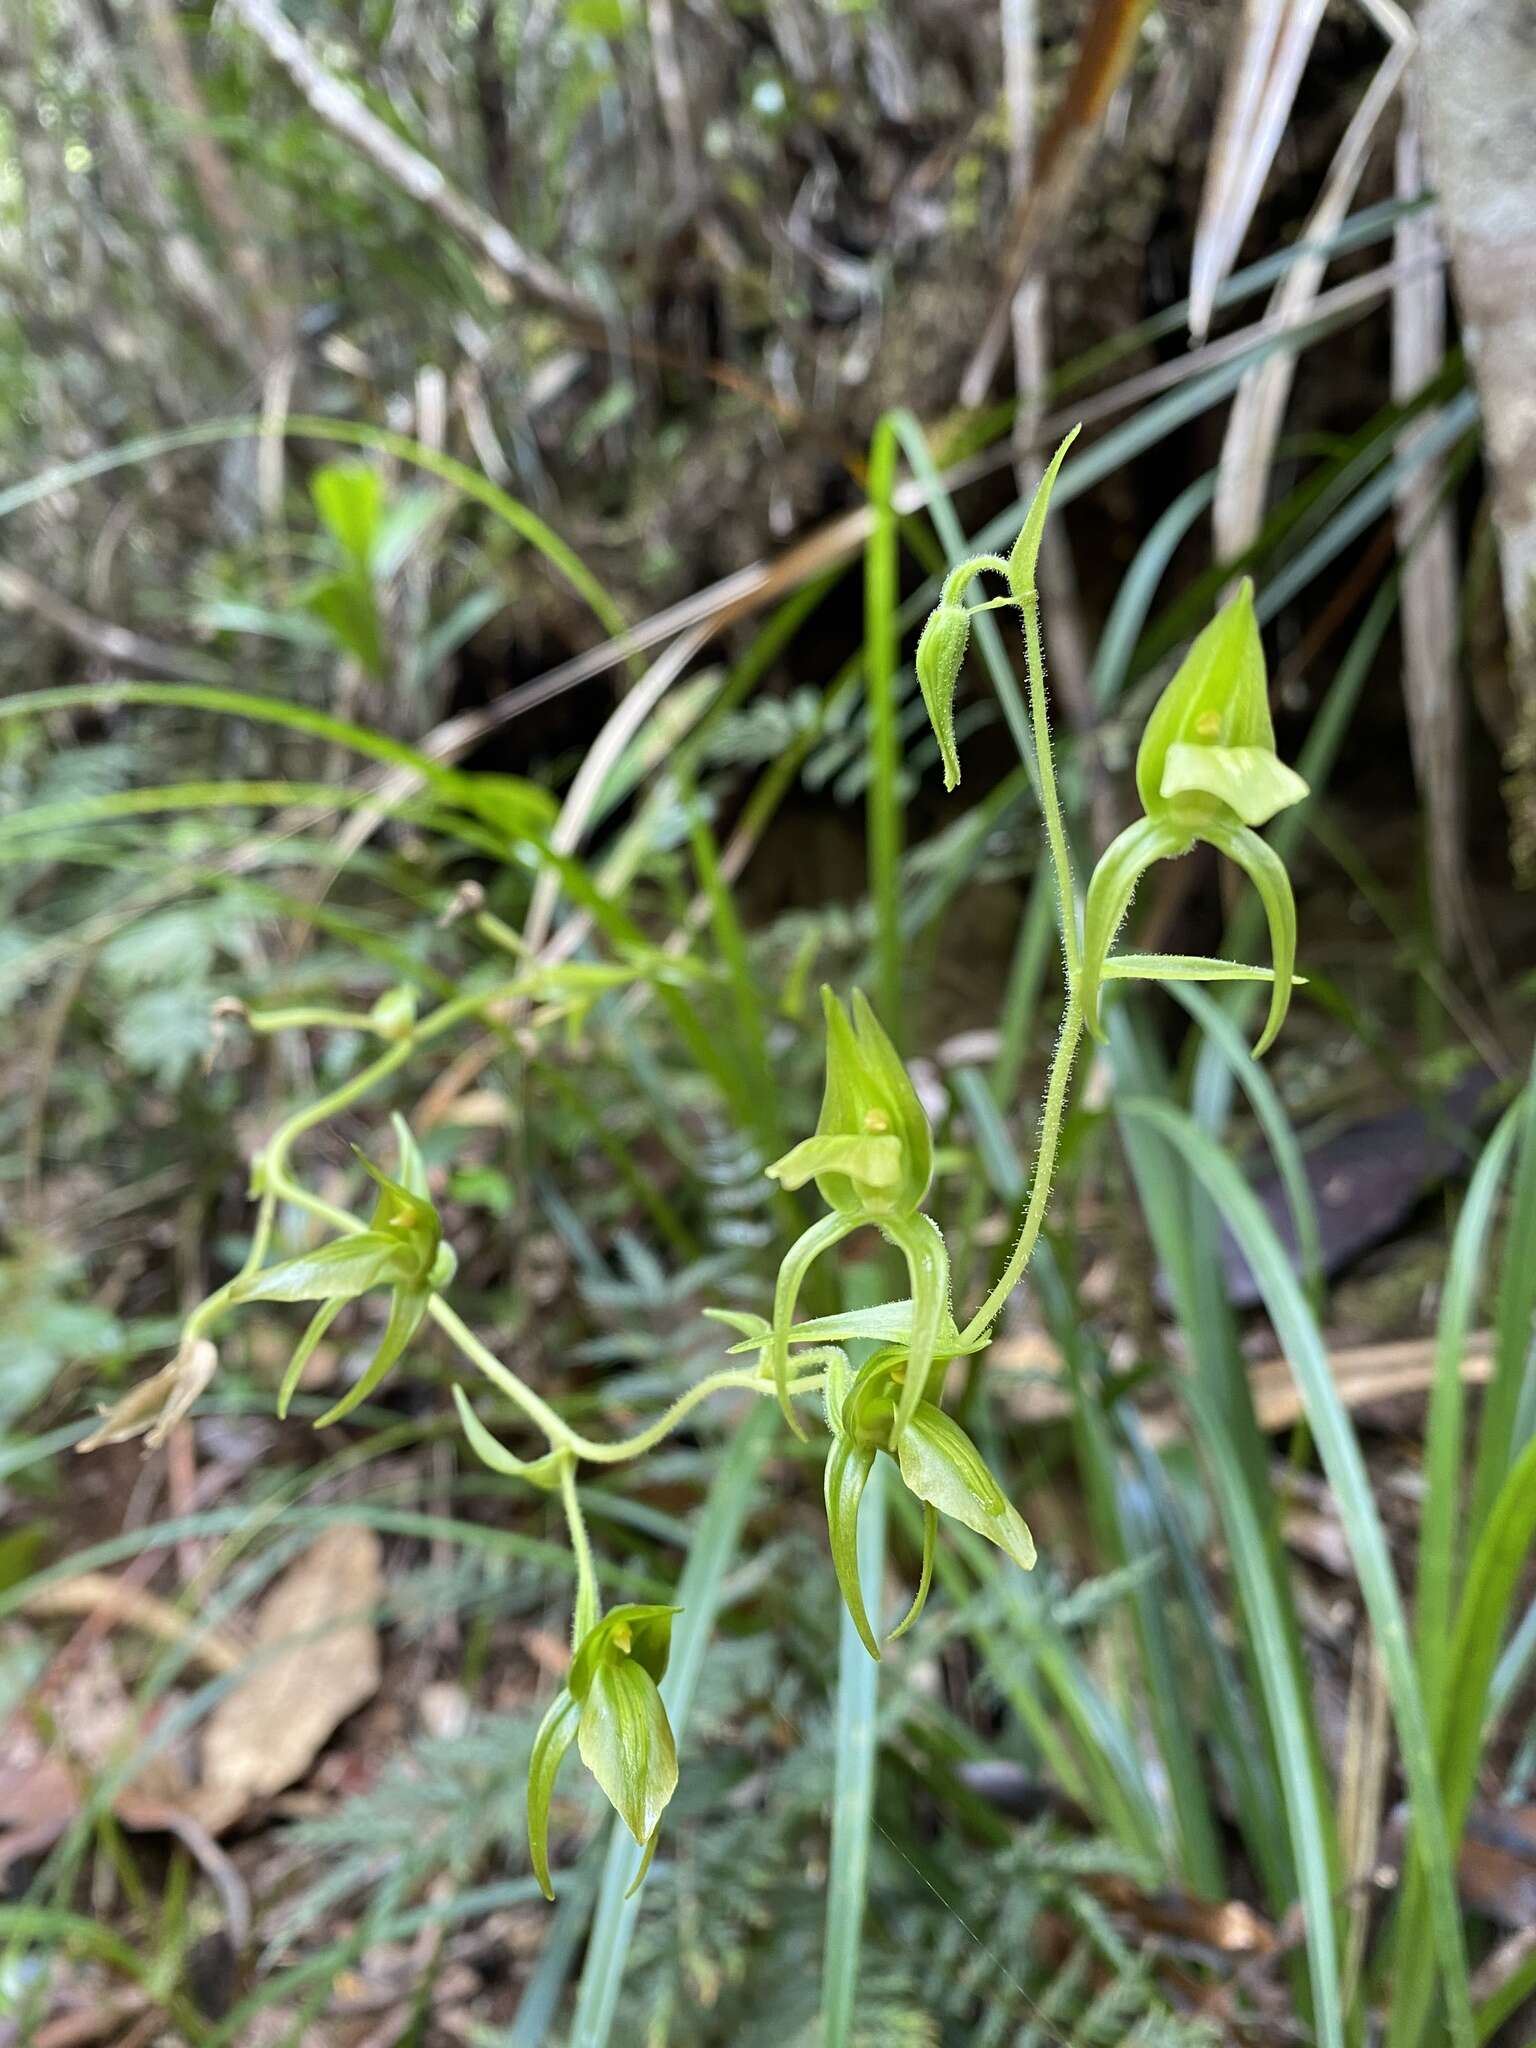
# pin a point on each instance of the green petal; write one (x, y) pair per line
(1253, 782)
(626, 1743)
(556, 1733)
(1219, 696)
(869, 1162)
(925, 1580)
(1265, 869)
(320, 1322)
(848, 1469)
(793, 1267)
(1110, 889)
(407, 1308)
(941, 1465)
(339, 1271)
(921, 1243)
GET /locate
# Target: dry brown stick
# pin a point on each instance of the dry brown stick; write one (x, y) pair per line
(416, 175)
(212, 175)
(1103, 53)
(179, 255)
(1363, 1373)
(20, 592)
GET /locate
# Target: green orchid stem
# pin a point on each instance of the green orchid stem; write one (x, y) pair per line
(1050, 799)
(309, 1018)
(588, 1606)
(965, 573)
(1045, 1167)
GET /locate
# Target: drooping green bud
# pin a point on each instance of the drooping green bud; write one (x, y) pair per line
(393, 1016)
(1209, 747)
(940, 657)
(872, 1153)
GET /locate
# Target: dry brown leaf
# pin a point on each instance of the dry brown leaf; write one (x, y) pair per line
(315, 1660)
(1268, 56)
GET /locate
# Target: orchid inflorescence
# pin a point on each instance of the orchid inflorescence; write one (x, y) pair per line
(1206, 772)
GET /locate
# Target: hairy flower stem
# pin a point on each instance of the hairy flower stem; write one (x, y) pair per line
(1045, 1166)
(588, 1605)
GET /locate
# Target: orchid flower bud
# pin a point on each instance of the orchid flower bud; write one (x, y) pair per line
(940, 657)
(611, 1706)
(1206, 771)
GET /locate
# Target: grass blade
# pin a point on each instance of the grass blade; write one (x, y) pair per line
(1345, 1468)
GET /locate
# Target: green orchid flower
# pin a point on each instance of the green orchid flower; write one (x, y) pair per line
(939, 1466)
(1206, 771)
(402, 1249)
(611, 1707)
(872, 1159)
